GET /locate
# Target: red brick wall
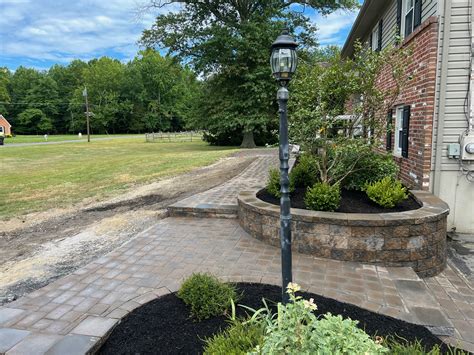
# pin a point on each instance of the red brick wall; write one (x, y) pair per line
(420, 95)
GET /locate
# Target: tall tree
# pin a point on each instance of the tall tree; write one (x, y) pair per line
(5, 77)
(228, 43)
(20, 84)
(68, 78)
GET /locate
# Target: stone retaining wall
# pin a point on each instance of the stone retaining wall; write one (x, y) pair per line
(413, 238)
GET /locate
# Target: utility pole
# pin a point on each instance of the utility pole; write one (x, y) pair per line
(84, 93)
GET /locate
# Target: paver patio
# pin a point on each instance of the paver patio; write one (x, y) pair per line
(78, 311)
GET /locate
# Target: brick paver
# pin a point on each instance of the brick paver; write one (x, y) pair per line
(221, 201)
(77, 310)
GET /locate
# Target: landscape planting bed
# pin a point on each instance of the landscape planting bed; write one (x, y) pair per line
(164, 325)
(415, 238)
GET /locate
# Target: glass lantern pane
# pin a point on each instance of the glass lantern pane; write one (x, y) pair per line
(285, 60)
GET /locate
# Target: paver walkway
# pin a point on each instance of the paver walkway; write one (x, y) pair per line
(74, 314)
(77, 311)
(221, 201)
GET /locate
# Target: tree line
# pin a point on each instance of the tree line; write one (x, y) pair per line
(226, 44)
(150, 93)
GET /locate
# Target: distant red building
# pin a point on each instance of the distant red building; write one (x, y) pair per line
(5, 127)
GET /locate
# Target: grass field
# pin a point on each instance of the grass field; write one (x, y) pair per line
(36, 178)
(57, 138)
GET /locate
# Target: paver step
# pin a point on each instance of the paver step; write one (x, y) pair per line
(204, 210)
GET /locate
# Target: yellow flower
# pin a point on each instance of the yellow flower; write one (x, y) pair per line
(292, 287)
(310, 304)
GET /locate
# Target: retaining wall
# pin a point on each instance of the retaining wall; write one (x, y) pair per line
(414, 238)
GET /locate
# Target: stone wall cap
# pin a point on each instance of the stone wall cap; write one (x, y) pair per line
(432, 208)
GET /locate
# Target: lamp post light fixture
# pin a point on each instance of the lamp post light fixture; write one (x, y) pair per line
(283, 62)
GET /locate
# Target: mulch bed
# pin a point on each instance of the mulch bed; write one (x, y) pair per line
(351, 202)
(163, 326)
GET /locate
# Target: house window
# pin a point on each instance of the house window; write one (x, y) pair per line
(398, 132)
(401, 131)
(409, 17)
(375, 39)
(409, 13)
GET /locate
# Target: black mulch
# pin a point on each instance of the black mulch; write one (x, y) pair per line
(163, 326)
(351, 202)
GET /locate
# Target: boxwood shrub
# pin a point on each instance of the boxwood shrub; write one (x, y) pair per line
(206, 295)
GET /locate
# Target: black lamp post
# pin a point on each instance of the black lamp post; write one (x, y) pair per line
(283, 62)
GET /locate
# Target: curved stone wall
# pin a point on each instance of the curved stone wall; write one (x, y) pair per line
(412, 238)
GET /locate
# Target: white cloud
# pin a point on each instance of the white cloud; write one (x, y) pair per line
(333, 28)
(55, 30)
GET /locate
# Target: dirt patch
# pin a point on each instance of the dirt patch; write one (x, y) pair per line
(164, 325)
(351, 202)
(38, 248)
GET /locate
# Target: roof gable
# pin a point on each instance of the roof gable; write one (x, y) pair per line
(4, 121)
(368, 15)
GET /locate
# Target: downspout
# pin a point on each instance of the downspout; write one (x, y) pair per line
(442, 94)
(471, 82)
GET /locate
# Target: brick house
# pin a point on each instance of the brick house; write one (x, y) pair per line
(432, 119)
(5, 127)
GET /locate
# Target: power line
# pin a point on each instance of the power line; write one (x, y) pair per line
(39, 103)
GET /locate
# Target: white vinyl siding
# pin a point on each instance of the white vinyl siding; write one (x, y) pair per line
(389, 33)
(429, 8)
(458, 73)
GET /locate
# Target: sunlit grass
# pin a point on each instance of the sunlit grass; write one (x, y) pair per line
(36, 178)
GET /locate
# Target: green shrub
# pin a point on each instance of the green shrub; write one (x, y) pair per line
(386, 192)
(400, 346)
(323, 197)
(206, 295)
(305, 173)
(240, 338)
(273, 183)
(370, 168)
(296, 330)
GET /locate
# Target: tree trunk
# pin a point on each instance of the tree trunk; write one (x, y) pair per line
(248, 141)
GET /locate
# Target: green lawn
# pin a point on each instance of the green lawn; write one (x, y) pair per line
(58, 138)
(36, 178)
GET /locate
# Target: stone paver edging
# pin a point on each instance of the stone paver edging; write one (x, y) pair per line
(414, 238)
(79, 310)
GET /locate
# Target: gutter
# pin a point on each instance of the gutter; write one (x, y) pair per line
(348, 46)
(442, 95)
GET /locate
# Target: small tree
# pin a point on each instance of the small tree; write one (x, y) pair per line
(320, 93)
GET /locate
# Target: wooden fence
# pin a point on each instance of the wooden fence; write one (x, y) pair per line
(173, 137)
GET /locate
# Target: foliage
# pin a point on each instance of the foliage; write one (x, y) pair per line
(400, 346)
(34, 120)
(296, 330)
(323, 197)
(387, 192)
(305, 172)
(206, 295)
(371, 167)
(273, 183)
(228, 43)
(5, 78)
(323, 86)
(240, 338)
(149, 93)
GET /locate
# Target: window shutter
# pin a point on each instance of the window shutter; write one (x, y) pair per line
(389, 130)
(417, 15)
(399, 17)
(405, 130)
(371, 40)
(379, 45)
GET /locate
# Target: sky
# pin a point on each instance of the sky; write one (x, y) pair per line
(41, 33)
